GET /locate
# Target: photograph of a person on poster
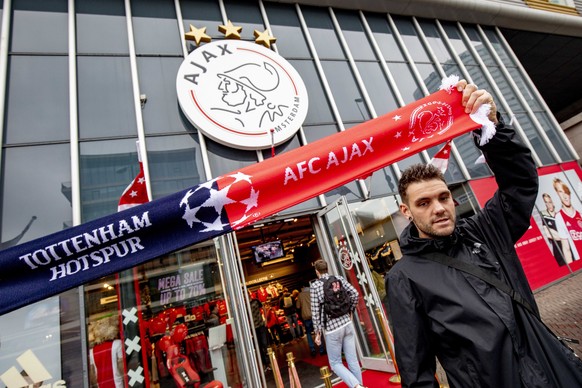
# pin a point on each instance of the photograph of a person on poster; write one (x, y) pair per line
(568, 221)
(559, 245)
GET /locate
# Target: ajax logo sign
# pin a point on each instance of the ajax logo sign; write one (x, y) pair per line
(241, 94)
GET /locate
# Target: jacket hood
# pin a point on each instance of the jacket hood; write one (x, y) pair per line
(411, 244)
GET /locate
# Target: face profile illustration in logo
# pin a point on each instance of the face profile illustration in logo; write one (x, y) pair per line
(434, 117)
(241, 94)
(246, 89)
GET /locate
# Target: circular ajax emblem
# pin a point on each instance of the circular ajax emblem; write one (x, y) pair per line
(241, 94)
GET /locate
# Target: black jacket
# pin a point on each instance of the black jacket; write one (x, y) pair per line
(481, 337)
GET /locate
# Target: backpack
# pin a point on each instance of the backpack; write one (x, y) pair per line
(287, 302)
(336, 299)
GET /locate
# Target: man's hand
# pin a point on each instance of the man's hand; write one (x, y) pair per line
(474, 97)
(317, 339)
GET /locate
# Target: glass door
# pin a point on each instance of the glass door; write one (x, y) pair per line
(346, 257)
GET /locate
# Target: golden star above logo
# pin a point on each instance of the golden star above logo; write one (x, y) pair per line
(264, 38)
(197, 35)
(230, 31)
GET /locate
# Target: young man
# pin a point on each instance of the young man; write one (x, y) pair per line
(304, 307)
(481, 336)
(339, 331)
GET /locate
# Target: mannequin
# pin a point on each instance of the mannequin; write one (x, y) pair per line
(106, 356)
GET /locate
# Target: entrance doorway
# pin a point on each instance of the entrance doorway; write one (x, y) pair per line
(276, 258)
(278, 255)
(362, 246)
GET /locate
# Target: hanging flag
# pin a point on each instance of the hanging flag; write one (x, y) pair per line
(136, 193)
(55, 263)
(441, 159)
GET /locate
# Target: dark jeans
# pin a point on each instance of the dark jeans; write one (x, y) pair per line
(275, 334)
(293, 325)
(262, 340)
(308, 323)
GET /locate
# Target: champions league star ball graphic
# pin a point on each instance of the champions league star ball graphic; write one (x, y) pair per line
(220, 203)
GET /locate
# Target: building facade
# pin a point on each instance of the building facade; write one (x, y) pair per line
(82, 81)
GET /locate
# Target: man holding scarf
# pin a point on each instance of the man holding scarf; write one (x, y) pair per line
(483, 325)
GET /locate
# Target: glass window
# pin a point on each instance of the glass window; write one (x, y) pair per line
(106, 169)
(49, 331)
(350, 190)
(345, 91)
(498, 46)
(200, 14)
(525, 90)
(180, 305)
(322, 33)
(319, 109)
(478, 77)
(224, 160)
(155, 27)
(28, 187)
(435, 41)
(414, 159)
(286, 28)
(384, 37)
(316, 132)
(246, 14)
(469, 155)
(383, 181)
(430, 76)
(101, 27)
(457, 43)
(537, 144)
(37, 105)
(175, 163)
(452, 69)
(377, 86)
(453, 173)
(410, 38)
(508, 93)
(106, 105)
(407, 86)
(39, 26)
(552, 133)
(161, 113)
(480, 48)
(354, 34)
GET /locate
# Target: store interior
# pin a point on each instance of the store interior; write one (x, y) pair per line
(277, 257)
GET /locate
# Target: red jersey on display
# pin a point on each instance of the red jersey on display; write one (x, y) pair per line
(574, 226)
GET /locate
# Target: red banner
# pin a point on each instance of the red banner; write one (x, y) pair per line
(303, 173)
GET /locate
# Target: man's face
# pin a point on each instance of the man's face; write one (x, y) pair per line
(549, 204)
(431, 206)
(564, 197)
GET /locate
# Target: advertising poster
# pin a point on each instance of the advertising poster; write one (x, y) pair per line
(550, 249)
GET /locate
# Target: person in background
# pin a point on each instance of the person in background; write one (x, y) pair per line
(338, 331)
(441, 307)
(304, 307)
(260, 329)
(273, 325)
(213, 318)
(286, 303)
